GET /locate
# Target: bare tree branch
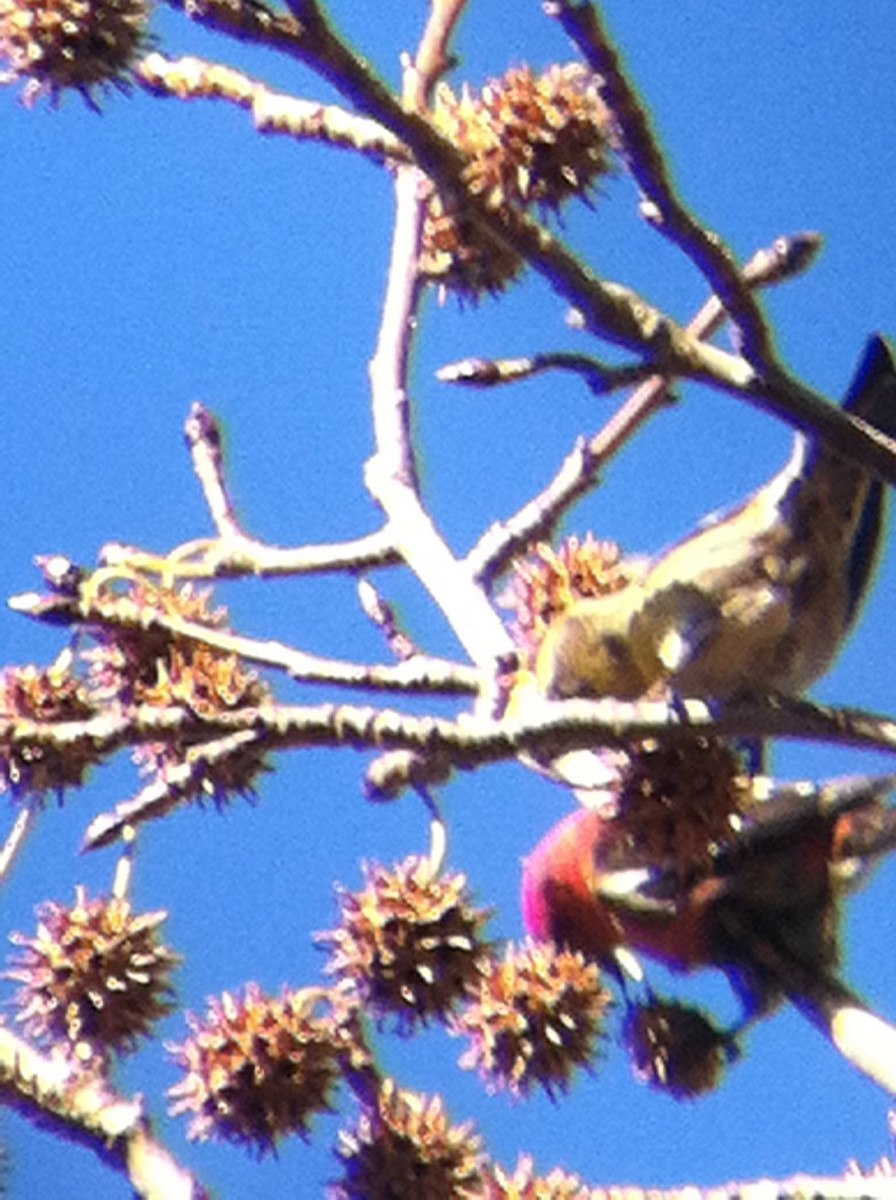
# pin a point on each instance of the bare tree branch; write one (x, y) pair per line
(579, 472)
(560, 726)
(191, 78)
(84, 1107)
(662, 207)
(22, 826)
(422, 673)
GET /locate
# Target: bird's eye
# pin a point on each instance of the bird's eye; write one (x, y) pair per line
(616, 648)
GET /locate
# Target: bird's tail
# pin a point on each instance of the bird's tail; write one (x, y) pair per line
(863, 1038)
(872, 393)
(871, 396)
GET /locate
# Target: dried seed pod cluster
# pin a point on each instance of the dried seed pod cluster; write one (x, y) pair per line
(410, 942)
(530, 140)
(259, 1068)
(405, 1145)
(34, 766)
(95, 978)
(537, 1018)
(61, 45)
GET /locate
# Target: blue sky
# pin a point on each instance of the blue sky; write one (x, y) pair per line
(164, 253)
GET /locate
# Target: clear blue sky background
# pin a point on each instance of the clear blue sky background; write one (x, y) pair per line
(164, 253)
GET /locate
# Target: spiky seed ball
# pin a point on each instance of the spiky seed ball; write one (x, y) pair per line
(144, 663)
(679, 802)
(537, 1018)
(554, 133)
(546, 582)
(208, 682)
(406, 1147)
(45, 694)
(410, 942)
(259, 1068)
(81, 45)
(529, 140)
(676, 1048)
(459, 258)
(525, 1184)
(95, 977)
(453, 251)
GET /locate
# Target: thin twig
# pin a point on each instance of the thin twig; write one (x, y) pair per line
(600, 377)
(22, 826)
(391, 475)
(211, 558)
(865, 1039)
(438, 833)
(204, 441)
(383, 615)
(433, 57)
(190, 78)
(203, 436)
(420, 673)
(124, 868)
(182, 782)
(49, 1089)
(389, 365)
(579, 472)
(647, 163)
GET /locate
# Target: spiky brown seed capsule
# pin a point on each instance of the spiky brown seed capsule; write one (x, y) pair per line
(410, 942)
(676, 1049)
(144, 663)
(407, 1147)
(95, 976)
(537, 1018)
(679, 802)
(46, 694)
(259, 1068)
(546, 582)
(529, 140)
(457, 256)
(60, 45)
(554, 131)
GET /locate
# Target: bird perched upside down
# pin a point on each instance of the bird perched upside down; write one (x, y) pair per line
(763, 908)
(587, 886)
(758, 598)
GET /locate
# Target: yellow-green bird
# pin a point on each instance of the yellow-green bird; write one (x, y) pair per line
(758, 598)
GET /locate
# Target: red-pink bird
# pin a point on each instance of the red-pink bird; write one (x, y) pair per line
(764, 910)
